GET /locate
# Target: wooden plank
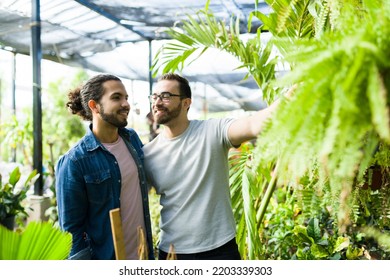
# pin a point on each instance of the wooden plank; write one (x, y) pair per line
(142, 245)
(117, 234)
(172, 253)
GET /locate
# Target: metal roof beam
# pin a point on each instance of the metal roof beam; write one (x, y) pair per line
(102, 12)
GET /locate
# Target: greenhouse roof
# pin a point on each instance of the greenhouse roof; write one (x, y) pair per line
(112, 36)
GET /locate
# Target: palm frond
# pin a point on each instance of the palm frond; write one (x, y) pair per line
(204, 31)
(39, 241)
(253, 239)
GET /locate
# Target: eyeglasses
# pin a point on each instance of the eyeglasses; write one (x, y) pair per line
(164, 97)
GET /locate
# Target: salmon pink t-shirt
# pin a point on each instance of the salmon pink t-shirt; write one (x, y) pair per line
(131, 210)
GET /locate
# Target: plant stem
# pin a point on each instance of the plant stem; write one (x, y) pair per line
(267, 196)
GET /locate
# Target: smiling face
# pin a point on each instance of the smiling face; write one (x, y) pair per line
(166, 111)
(113, 106)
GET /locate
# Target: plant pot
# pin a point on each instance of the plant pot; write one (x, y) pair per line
(8, 222)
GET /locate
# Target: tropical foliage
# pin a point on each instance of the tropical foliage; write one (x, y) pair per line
(12, 196)
(301, 190)
(341, 112)
(199, 34)
(39, 241)
(60, 131)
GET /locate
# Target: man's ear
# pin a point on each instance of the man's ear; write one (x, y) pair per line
(93, 106)
(187, 102)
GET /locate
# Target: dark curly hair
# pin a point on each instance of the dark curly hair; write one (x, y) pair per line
(92, 90)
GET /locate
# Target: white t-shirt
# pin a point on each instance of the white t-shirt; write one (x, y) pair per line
(132, 214)
(191, 173)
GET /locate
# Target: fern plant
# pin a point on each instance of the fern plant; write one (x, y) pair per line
(320, 143)
(341, 107)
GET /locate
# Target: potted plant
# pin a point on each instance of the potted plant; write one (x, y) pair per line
(12, 197)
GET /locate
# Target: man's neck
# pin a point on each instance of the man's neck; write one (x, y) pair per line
(175, 129)
(106, 134)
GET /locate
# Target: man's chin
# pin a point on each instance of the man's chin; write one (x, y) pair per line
(162, 121)
(121, 125)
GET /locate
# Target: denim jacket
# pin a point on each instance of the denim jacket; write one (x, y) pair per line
(88, 184)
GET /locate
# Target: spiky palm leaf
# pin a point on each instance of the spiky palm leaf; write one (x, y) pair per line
(198, 34)
(39, 241)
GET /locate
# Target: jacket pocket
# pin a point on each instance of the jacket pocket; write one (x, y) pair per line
(99, 186)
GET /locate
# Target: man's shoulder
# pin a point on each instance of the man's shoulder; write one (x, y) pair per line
(77, 149)
(212, 122)
(87, 143)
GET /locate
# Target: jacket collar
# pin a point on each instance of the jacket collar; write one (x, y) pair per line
(92, 143)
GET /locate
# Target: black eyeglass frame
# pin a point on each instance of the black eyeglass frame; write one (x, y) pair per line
(164, 96)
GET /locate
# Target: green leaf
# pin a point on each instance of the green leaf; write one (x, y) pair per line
(14, 176)
(376, 92)
(33, 174)
(313, 229)
(39, 241)
(250, 214)
(206, 6)
(301, 233)
(318, 251)
(354, 253)
(341, 244)
(335, 257)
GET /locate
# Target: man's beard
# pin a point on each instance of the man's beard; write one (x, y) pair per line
(168, 114)
(112, 119)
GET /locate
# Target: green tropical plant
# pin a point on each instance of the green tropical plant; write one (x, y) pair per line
(58, 119)
(38, 241)
(334, 138)
(383, 239)
(17, 139)
(12, 198)
(312, 243)
(338, 52)
(246, 193)
(198, 34)
(341, 107)
(60, 131)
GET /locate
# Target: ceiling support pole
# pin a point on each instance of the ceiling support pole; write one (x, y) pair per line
(13, 152)
(150, 70)
(36, 53)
